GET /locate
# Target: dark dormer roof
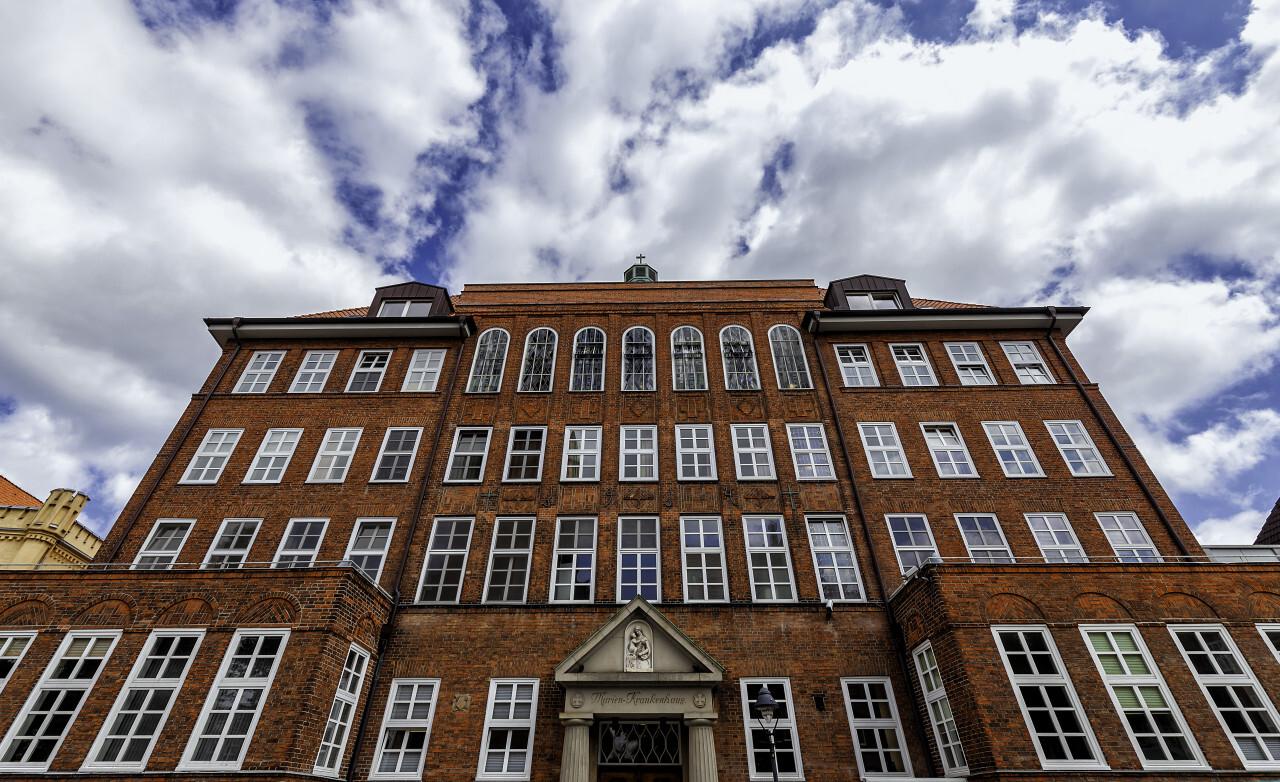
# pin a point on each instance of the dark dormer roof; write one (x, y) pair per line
(839, 290)
(420, 291)
(1269, 535)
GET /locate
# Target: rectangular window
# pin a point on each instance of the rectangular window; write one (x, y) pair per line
(163, 544)
(368, 547)
(753, 452)
(49, 712)
(1128, 537)
(273, 456)
(508, 579)
(912, 540)
(884, 450)
(424, 370)
(950, 455)
(507, 749)
(333, 742)
(1049, 704)
(212, 455)
(971, 365)
(696, 453)
(138, 717)
(833, 559)
(769, 560)
(314, 372)
(638, 559)
(938, 705)
(855, 365)
(1055, 537)
(468, 456)
(913, 365)
(1011, 447)
(702, 552)
(1270, 634)
(257, 375)
(786, 739)
(525, 448)
(1026, 362)
(446, 561)
(638, 454)
(573, 564)
(809, 454)
(301, 543)
(13, 647)
(872, 301)
(406, 729)
(581, 454)
(395, 460)
(230, 714)
(405, 308)
(1077, 448)
(1147, 708)
(983, 538)
(1228, 683)
(334, 457)
(231, 548)
(367, 375)
(873, 721)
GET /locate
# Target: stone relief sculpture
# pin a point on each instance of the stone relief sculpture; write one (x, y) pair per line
(638, 654)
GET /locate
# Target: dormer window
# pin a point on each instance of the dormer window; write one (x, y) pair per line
(405, 308)
(873, 301)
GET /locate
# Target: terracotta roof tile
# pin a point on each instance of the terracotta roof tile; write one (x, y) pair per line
(938, 304)
(354, 312)
(12, 496)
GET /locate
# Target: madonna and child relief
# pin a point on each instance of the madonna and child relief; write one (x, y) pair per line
(638, 649)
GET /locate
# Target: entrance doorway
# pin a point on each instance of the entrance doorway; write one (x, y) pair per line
(638, 774)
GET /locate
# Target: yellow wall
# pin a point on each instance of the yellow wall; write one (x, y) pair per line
(48, 535)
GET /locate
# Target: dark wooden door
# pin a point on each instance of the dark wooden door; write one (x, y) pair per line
(625, 774)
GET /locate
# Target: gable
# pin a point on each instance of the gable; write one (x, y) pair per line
(639, 643)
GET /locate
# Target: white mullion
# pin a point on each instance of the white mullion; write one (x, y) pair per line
(810, 456)
(797, 363)
(1077, 449)
(951, 459)
(360, 536)
(273, 456)
(1055, 537)
(212, 455)
(767, 554)
(1027, 363)
(532, 381)
(912, 540)
(695, 462)
(395, 448)
(159, 553)
(759, 765)
(424, 370)
(406, 729)
(883, 447)
(13, 647)
(874, 725)
(230, 548)
(688, 367)
(638, 453)
(581, 374)
(508, 716)
(525, 452)
(644, 558)
(311, 552)
(856, 366)
(489, 362)
(514, 551)
(333, 742)
(745, 375)
(1012, 449)
(371, 367)
(333, 459)
(1128, 537)
(259, 372)
(565, 586)
(938, 705)
(702, 552)
(448, 548)
(581, 462)
(644, 378)
(978, 541)
(462, 463)
(835, 563)
(753, 452)
(313, 372)
(970, 364)
(1270, 634)
(913, 364)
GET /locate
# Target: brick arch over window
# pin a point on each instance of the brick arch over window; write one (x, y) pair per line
(367, 631)
(1095, 605)
(191, 611)
(281, 610)
(1180, 605)
(1264, 605)
(1008, 607)
(112, 612)
(27, 613)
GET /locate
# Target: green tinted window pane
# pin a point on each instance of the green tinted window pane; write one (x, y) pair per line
(1128, 698)
(1111, 664)
(1125, 642)
(1137, 665)
(1152, 697)
(1100, 642)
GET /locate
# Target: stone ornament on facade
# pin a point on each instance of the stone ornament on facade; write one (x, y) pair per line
(638, 656)
(461, 702)
(576, 701)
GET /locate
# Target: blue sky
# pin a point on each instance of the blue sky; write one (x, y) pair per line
(164, 161)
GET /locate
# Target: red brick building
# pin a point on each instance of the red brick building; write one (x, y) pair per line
(572, 531)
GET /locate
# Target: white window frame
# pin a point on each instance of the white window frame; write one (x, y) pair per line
(284, 539)
(187, 763)
(1153, 679)
(1075, 445)
(935, 449)
(135, 681)
(1057, 545)
(271, 458)
(351, 551)
(1263, 628)
(447, 553)
(653, 360)
(1022, 367)
(767, 450)
(172, 556)
(640, 552)
(938, 706)
(511, 451)
(999, 430)
(885, 450)
(574, 565)
(595, 468)
(357, 369)
(308, 376)
(639, 452)
(783, 723)
(695, 452)
(604, 359)
(425, 367)
(1007, 558)
(453, 454)
(852, 366)
(48, 683)
(214, 550)
(327, 456)
(8, 640)
(1060, 679)
(965, 365)
(768, 549)
(923, 362)
(1128, 546)
(877, 724)
(341, 713)
(408, 305)
(676, 375)
(701, 551)
(407, 724)
(754, 374)
(527, 552)
(494, 383)
(831, 562)
(491, 723)
(524, 363)
(898, 550)
(382, 453)
(824, 453)
(803, 359)
(872, 300)
(259, 374)
(224, 456)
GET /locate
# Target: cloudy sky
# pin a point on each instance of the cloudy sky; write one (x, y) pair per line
(162, 161)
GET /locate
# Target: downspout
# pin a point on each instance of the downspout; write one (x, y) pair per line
(895, 630)
(155, 484)
(1111, 434)
(384, 636)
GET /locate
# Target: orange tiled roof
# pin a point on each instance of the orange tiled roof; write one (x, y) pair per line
(354, 312)
(937, 304)
(12, 496)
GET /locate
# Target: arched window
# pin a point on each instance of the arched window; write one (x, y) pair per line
(739, 358)
(488, 363)
(788, 358)
(637, 359)
(688, 368)
(588, 360)
(539, 360)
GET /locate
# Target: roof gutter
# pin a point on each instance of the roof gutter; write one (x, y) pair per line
(439, 326)
(999, 318)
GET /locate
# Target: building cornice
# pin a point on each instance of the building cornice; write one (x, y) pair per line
(224, 330)
(1063, 319)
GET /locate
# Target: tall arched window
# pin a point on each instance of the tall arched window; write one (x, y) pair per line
(488, 363)
(739, 357)
(637, 359)
(788, 358)
(539, 360)
(688, 367)
(588, 360)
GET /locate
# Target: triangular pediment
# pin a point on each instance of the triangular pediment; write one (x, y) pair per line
(658, 652)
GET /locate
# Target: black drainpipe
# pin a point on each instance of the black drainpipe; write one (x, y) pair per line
(137, 512)
(1111, 434)
(895, 630)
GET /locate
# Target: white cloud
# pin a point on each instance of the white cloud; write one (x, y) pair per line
(1239, 529)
